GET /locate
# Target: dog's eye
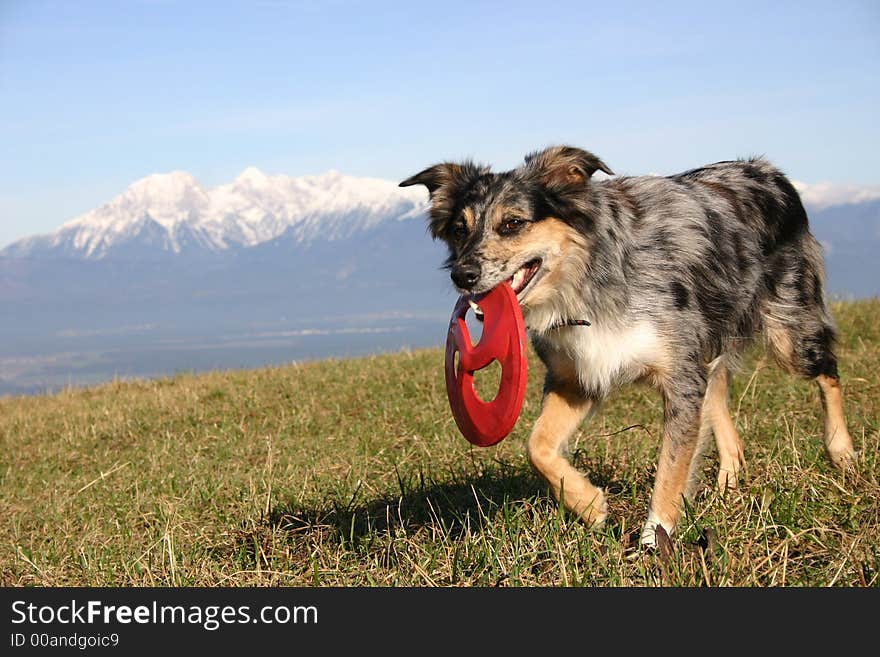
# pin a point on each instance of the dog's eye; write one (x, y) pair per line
(510, 226)
(459, 232)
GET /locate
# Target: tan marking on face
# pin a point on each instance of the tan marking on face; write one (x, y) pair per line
(501, 213)
(556, 236)
(469, 217)
(560, 248)
(564, 257)
(550, 238)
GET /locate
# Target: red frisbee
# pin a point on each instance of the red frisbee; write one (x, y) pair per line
(503, 339)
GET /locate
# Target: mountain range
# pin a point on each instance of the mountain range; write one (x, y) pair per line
(283, 267)
(173, 213)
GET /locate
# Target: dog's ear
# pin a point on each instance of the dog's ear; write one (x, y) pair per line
(434, 177)
(565, 166)
(444, 181)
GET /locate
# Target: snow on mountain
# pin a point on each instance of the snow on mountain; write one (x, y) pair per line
(173, 212)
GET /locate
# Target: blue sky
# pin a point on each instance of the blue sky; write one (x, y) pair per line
(94, 95)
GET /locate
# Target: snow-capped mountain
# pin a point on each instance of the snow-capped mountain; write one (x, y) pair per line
(173, 213)
(170, 275)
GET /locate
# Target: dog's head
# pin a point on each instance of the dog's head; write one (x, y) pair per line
(530, 226)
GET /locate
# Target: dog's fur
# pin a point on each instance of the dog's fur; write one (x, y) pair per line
(674, 274)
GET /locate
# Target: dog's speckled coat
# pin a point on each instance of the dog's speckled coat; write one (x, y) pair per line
(674, 273)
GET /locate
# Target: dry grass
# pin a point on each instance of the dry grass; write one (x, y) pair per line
(352, 473)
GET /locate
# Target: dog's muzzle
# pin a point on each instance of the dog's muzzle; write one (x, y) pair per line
(465, 275)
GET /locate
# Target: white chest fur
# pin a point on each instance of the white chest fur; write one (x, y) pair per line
(605, 356)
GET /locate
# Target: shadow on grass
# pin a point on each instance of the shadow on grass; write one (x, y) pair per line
(462, 502)
(459, 503)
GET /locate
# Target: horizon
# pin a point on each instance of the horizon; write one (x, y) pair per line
(99, 95)
(815, 196)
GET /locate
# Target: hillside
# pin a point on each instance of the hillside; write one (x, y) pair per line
(351, 472)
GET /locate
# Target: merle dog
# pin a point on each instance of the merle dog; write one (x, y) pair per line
(675, 275)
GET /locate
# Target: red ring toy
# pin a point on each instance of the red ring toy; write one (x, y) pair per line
(503, 339)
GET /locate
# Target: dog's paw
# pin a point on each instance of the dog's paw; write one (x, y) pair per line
(654, 541)
(655, 536)
(596, 513)
(845, 459)
(727, 480)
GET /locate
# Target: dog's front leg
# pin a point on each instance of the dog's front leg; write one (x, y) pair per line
(562, 411)
(681, 441)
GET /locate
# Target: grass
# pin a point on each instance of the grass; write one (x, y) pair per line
(352, 473)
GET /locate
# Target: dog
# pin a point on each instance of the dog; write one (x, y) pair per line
(673, 274)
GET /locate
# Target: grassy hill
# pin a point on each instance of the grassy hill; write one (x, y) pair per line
(351, 472)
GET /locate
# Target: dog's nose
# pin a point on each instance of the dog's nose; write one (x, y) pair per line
(465, 275)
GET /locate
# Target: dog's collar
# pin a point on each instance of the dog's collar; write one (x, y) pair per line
(569, 322)
(565, 322)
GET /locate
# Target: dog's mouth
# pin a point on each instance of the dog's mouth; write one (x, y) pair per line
(524, 276)
(520, 280)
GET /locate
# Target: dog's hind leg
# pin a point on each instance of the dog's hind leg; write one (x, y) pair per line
(562, 411)
(716, 416)
(800, 334)
(807, 350)
(837, 440)
(683, 400)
